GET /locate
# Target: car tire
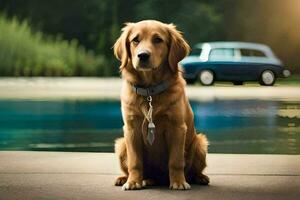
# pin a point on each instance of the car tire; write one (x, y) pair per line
(238, 82)
(206, 77)
(267, 78)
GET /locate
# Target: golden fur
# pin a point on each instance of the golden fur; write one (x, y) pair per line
(178, 154)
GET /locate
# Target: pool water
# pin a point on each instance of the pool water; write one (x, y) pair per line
(239, 126)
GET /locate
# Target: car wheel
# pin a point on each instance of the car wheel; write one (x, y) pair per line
(267, 78)
(237, 82)
(207, 77)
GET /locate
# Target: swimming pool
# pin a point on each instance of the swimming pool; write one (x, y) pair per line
(239, 126)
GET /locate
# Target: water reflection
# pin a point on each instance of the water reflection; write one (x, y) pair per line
(245, 126)
(249, 126)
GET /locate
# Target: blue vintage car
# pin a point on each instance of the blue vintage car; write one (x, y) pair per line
(232, 61)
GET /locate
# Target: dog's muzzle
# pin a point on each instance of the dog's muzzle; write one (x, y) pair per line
(143, 56)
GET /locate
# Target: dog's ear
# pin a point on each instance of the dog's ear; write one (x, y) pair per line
(121, 47)
(178, 47)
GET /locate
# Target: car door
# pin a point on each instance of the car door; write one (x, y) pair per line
(226, 63)
(250, 63)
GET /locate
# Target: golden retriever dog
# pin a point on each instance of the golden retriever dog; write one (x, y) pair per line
(160, 144)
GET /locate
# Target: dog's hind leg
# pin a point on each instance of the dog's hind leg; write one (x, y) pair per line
(120, 150)
(199, 160)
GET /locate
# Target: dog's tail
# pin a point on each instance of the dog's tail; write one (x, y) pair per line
(203, 142)
(120, 146)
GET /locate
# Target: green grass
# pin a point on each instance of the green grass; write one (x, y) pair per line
(24, 52)
(292, 80)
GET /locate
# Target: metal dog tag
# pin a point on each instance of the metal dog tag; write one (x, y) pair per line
(150, 135)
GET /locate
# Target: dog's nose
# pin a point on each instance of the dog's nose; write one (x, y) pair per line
(143, 55)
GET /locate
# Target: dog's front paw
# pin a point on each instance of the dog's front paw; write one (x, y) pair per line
(132, 185)
(180, 186)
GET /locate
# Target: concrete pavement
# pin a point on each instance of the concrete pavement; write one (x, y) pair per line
(109, 88)
(59, 175)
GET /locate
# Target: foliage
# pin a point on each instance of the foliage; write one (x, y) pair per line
(96, 23)
(27, 53)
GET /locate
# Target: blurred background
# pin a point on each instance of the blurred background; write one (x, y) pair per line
(79, 109)
(74, 38)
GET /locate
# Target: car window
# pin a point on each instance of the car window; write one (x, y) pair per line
(196, 52)
(221, 53)
(252, 53)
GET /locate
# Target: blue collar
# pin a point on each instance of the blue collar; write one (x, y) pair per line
(152, 90)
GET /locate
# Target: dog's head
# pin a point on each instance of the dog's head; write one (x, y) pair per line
(149, 45)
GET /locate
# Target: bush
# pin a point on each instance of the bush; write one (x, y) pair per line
(24, 52)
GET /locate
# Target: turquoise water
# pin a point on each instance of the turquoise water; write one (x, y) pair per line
(243, 126)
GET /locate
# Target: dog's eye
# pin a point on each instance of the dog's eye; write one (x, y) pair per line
(157, 40)
(136, 40)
